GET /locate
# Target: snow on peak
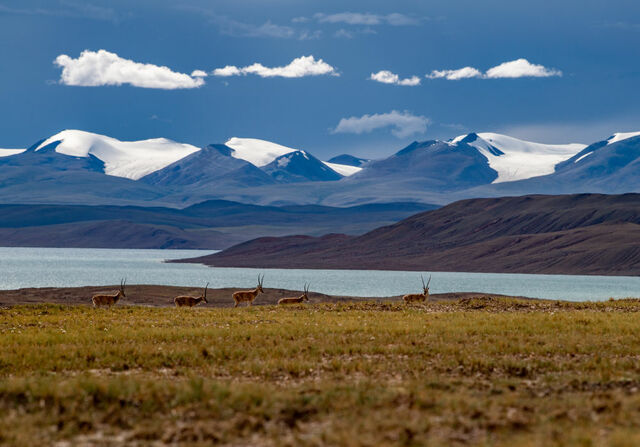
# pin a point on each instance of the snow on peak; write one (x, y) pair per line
(129, 159)
(515, 159)
(257, 152)
(10, 152)
(621, 136)
(344, 170)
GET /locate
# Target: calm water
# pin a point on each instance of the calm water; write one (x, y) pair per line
(66, 267)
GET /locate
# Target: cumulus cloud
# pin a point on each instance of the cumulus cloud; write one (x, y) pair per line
(98, 68)
(454, 75)
(402, 124)
(388, 77)
(198, 74)
(520, 68)
(367, 19)
(297, 68)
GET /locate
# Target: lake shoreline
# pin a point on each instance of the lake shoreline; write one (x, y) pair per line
(162, 296)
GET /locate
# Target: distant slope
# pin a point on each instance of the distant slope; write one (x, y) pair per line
(47, 176)
(348, 160)
(573, 234)
(115, 234)
(208, 225)
(429, 165)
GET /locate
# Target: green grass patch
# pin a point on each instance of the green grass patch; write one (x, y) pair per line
(475, 372)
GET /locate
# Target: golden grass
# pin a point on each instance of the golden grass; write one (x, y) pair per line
(475, 372)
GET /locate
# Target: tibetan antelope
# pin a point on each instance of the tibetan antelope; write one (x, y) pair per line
(190, 301)
(424, 296)
(248, 295)
(109, 300)
(300, 299)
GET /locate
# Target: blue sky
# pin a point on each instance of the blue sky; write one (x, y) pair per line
(580, 81)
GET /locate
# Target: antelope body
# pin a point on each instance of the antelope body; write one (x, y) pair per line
(190, 301)
(300, 299)
(107, 300)
(418, 297)
(248, 296)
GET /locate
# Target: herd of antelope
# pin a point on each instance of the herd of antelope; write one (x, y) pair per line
(242, 296)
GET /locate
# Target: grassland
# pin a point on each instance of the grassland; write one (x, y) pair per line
(498, 372)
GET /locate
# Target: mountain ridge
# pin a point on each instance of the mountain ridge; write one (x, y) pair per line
(570, 234)
(75, 167)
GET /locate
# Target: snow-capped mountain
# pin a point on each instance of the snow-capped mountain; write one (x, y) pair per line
(129, 159)
(261, 153)
(257, 152)
(514, 159)
(429, 165)
(211, 167)
(82, 167)
(300, 166)
(160, 159)
(612, 165)
(469, 161)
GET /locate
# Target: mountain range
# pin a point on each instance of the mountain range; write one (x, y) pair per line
(77, 167)
(213, 224)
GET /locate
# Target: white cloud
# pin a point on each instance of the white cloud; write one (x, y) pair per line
(226, 71)
(520, 68)
(297, 68)
(455, 75)
(368, 19)
(98, 68)
(403, 124)
(387, 77)
(198, 74)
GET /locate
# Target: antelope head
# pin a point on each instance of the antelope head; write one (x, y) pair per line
(204, 296)
(425, 289)
(259, 286)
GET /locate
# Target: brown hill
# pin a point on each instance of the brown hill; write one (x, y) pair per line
(572, 234)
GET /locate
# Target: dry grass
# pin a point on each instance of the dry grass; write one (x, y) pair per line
(474, 372)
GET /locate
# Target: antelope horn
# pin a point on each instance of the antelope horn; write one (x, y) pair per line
(429, 282)
(422, 278)
(205, 290)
